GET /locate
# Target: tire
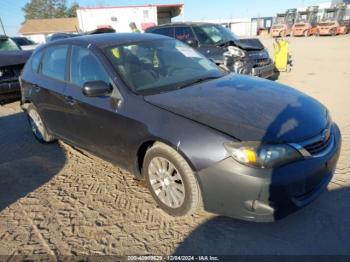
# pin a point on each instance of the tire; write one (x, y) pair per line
(306, 33)
(37, 125)
(176, 192)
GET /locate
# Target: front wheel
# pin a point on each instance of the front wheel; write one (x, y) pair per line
(171, 181)
(37, 125)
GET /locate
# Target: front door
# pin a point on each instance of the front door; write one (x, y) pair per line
(96, 123)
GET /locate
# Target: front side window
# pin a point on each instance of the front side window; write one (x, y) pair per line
(54, 62)
(158, 66)
(183, 33)
(85, 67)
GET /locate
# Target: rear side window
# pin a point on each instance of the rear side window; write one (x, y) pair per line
(86, 67)
(183, 33)
(167, 31)
(36, 61)
(54, 62)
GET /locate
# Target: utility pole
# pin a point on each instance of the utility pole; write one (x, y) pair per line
(2, 26)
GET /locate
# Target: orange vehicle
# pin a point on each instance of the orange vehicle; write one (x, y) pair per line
(333, 22)
(306, 22)
(283, 23)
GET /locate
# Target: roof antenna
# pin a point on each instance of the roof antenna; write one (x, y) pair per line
(2, 26)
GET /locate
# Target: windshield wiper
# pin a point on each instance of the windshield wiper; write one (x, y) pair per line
(197, 81)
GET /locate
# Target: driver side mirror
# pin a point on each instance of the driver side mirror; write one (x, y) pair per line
(97, 88)
(192, 42)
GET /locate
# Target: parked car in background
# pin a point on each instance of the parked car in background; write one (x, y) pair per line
(247, 148)
(24, 43)
(59, 36)
(12, 60)
(243, 56)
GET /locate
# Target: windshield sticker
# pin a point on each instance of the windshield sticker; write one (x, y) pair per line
(188, 52)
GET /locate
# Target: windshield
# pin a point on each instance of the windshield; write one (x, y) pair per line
(159, 66)
(280, 19)
(302, 18)
(329, 16)
(8, 45)
(214, 34)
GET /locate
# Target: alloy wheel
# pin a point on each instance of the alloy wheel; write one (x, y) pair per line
(166, 182)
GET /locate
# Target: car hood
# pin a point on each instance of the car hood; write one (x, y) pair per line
(9, 58)
(245, 44)
(247, 108)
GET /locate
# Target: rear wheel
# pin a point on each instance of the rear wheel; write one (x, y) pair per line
(171, 181)
(37, 125)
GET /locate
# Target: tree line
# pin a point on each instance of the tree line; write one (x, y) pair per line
(41, 9)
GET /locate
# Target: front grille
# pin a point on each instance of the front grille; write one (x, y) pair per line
(261, 62)
(320, 145)
(10, 73)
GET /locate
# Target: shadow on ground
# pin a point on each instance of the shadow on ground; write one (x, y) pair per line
(322, 228)
(25, 164)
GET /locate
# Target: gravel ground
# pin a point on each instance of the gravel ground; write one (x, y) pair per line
(58, 201)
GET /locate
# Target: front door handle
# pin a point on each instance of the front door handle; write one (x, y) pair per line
(70, 100)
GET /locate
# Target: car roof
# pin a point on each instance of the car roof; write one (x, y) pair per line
(109, 39)
(182, 24)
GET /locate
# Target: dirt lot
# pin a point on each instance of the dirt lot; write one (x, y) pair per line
(58, 201)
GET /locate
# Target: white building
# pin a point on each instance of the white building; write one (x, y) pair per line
(119, 17)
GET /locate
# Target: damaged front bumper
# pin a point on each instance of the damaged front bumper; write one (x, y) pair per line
(255, 63)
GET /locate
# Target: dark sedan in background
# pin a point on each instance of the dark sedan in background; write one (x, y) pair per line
(12, 60)
(245, 147)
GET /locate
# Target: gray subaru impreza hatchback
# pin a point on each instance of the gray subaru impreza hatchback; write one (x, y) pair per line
(239, 146)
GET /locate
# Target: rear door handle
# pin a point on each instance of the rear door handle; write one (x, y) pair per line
(36, 88)
(70, 100)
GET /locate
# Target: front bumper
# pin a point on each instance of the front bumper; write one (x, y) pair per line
(264, 71)
(250, 68)
(324, 31)
(264, 195)
(299, 32)
(276, 32)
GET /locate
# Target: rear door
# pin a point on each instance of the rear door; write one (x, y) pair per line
(48, 88)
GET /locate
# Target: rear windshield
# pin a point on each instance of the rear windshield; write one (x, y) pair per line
(8, 45)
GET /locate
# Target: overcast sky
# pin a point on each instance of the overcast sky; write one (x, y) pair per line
(12, 15)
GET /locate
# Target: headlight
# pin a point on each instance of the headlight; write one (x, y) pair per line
(233, 50)
(263, 156)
